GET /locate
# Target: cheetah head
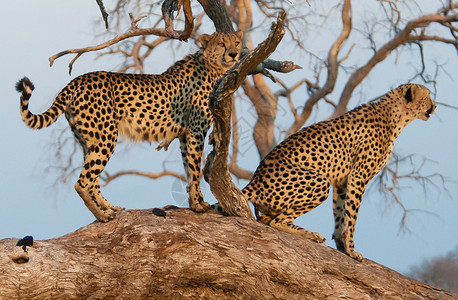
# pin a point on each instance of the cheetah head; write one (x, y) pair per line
(418, 101)
(222, 50)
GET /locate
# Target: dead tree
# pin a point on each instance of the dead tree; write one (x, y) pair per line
(216, 170)
(217, 173)
(400, 33)
(178, 254)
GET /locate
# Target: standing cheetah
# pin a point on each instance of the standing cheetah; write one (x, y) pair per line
(346, 152)
(101, 105)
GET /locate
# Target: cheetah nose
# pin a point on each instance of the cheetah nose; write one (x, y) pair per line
(430, 111)
(233, 54)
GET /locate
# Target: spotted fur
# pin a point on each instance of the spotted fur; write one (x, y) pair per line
(101, 105)
(346, 152)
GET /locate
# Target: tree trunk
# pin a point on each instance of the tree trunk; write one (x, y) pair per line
(216, 170)
(218, 14)
(183, 254)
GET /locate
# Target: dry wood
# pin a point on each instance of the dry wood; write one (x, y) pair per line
(216, 169)
(103, 12)
(131, 33)
(218, 14)
(168, 8)
(185, 255)
(257, 90)
(107, 178)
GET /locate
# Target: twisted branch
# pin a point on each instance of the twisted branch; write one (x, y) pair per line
(131, 33)
(216, 170)
(403, 37)
(332, 69)
(168, 32)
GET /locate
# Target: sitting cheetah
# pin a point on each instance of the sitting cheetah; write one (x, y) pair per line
(101, 105)
(345, 152)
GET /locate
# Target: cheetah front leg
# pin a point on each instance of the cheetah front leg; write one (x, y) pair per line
(338, 205)
(191, 153)
(346, 203)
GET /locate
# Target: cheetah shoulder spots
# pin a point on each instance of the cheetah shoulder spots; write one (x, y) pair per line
(345, 152)
(101, 105)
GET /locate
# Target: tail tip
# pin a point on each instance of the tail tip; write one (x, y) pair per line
(25, 85)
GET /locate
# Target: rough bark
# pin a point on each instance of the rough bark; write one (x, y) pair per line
(218, 14)
(216, 169)
(141, 255)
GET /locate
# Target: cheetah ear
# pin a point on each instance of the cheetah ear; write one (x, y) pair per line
(204, 39)
(408, 95)
(239, 33)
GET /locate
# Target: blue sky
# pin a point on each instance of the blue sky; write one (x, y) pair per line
(31, 204)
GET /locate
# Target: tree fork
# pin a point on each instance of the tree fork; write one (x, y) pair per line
(216, 170)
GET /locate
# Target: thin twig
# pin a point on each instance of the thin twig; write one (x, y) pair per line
(104, 12)
(134, 31)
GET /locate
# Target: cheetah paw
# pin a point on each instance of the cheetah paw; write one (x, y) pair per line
(201, 207)
(105, 215)
(105, 205)
(318, 238)
(265, 219)
(356, 255)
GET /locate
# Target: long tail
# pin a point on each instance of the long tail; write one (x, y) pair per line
(25, 87)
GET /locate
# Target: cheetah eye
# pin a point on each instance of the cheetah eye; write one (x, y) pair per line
(237, 43)
(221, 44)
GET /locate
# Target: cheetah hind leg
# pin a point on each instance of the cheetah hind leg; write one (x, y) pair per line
(316, 190)
(99, 209)
(284, 223)
(88, 187)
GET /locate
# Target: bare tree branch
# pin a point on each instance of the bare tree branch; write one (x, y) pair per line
(447, 105)
(274, 65)
(218, 14)
(168, 8)
(168, 32)
(104, 12)
(131, 33)
(286, 92)
(401, 38)
(390, 179)
(234, 168)
(332, 68)
(265, 104)
(107, 178)
(216, 171)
